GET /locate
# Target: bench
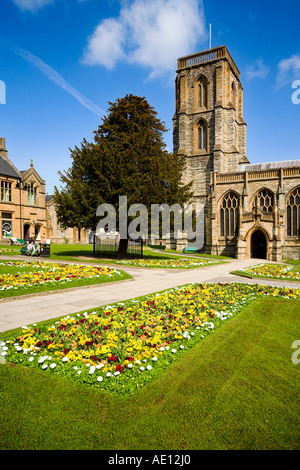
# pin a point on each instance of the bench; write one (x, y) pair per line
(190, 249)
(17, 241)
(36, 252)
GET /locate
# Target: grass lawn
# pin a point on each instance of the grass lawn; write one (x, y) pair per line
(79, 251)
(203, 255)
(72, 252)
(33, 276)
(236, 389)
(151, 258)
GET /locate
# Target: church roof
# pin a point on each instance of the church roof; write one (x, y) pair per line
(7, 169)
(271, 165)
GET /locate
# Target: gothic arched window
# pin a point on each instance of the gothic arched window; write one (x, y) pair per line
(202, 135)
(229, 215)
(293, 214)
(264, 200)
(202, 93)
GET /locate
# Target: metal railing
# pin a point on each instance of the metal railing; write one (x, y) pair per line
(108, 246)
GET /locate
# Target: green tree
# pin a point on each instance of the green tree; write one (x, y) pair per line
(128, 157)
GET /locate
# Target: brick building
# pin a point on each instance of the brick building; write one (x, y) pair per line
(22, 200)
(248, 210)
(26, 211)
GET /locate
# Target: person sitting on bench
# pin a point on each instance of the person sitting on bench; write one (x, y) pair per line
(30, 248)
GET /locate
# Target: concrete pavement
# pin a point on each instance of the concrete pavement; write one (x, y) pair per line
(16, 312)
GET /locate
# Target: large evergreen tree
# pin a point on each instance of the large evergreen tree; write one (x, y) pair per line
(127, 158)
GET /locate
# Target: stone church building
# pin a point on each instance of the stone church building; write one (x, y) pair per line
(249, 210)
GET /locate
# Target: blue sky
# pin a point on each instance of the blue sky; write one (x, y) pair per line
(62, 61)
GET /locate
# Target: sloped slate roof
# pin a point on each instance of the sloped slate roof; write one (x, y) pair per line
(7, 169)
(272, 165)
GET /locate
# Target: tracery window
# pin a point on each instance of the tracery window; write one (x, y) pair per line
(293, 214)
(264, 200)
(229, 215)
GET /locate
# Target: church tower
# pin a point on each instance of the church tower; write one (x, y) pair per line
(208, 125)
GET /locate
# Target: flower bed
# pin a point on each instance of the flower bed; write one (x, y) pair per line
(169, 263)
(43, 273)
(121, 347)
(272, 271)
(8, 250)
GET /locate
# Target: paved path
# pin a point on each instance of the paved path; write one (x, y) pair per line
(16, 312)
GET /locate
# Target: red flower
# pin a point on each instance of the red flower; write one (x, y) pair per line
(112, 358)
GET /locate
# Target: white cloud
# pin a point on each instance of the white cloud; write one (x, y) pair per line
(106, 44)
(288, 70)
(55, 77)
(257, 70)
(32, 5)
(150, 33)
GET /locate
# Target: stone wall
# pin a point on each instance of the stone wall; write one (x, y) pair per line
(273, 224)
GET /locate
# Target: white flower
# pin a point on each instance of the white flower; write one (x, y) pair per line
(161, 349)
(181, 346)
(173, 351)
(117, 373)
(65, 359)
(108, 374)
(75, 368)
(53, 365)
(44, 366)
(31, 359)
(142, 368)
(100, 378)
(149, 367)
(92, 369)
(154, 358)
(129, 366)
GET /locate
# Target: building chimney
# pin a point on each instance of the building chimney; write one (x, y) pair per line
(3, 151)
